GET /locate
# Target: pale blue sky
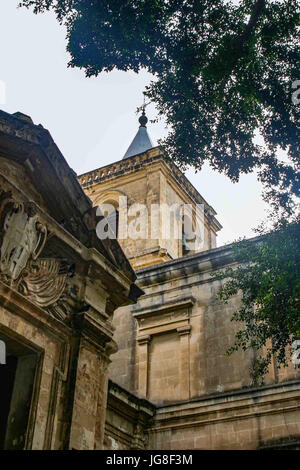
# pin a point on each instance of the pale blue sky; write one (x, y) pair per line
(93, 120)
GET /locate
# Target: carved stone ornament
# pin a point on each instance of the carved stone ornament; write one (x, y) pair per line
(43, 281)
(23, 238)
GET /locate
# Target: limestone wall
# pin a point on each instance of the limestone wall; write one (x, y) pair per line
(177, 335)
(268, 417)
(148, 179)
(172, 346)
(141, 188)
(127, 419)
(59, 287)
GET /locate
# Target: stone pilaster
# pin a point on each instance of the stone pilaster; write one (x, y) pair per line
(184, 368)
(143, 360)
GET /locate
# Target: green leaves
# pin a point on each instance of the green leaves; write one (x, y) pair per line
(268, 277)
(224, 72)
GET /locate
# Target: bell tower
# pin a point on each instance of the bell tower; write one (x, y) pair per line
(150, 202)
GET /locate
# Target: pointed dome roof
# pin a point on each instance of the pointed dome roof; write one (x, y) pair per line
(142, 142)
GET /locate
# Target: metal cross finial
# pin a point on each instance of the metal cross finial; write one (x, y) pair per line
(144, 105)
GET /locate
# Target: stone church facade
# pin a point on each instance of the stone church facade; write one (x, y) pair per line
(59, 287)
(119, 344)
(172, 342)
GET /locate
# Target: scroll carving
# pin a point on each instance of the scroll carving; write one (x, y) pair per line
(45, 281)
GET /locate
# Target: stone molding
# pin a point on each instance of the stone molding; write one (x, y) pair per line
(160, 319)
(137, 412)
(138, 162)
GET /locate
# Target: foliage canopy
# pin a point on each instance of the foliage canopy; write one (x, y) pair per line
(268, 275)
(224, 72)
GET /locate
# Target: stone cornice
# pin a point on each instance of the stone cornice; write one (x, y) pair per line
(209, 260)
(158, 309)
(131, 165)
(136, 403)
(228, 406)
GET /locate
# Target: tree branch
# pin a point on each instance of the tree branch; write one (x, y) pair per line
(254, 17)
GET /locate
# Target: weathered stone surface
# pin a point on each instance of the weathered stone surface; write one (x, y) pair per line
(149, 179)
(69, 300)
(172, 342)
(59, 286)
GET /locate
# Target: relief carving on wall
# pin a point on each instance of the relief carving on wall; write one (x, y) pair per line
(22, 239)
